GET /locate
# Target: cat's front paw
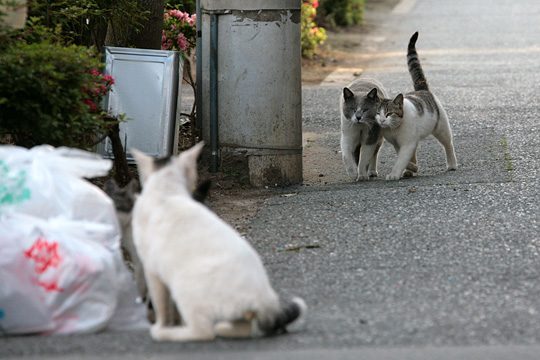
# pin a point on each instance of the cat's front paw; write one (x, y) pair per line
(353, 174)
(362, 178)
(392, 177)
(156, 332)
(451, 168)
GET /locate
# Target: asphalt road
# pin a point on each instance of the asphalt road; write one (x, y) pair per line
(442, 266)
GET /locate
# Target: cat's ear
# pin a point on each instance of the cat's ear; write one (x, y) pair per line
(191, 155)
(398, 100)
(347, 94)
(145, 164)
(187, 161)
(132, 188)
(373, 94)
(110, 187)
(201, 192)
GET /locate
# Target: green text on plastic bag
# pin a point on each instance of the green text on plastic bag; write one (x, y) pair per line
(13, 188)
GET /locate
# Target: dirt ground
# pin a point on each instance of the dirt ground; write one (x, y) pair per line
(335, 53)
(340, 51)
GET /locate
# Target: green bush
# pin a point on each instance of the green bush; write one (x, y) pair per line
(86, 22)
(49, 94)
(342, 12)
(311, 35)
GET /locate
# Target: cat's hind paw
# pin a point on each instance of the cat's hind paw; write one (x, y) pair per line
(237, 329)
(392, 177)
(409, 174)
(452, 168)
(373, 173)
(362, 178)
(181, 333)
(412, 167)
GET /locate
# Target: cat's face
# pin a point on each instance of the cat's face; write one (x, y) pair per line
(123, 198)
(180, 169)
(361, 108)
(390, 113)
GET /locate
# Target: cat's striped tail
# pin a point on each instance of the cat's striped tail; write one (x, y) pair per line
(415, 69)
(289, 312)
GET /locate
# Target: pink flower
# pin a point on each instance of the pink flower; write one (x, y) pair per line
(178, 14)
(182, 42)
(178, 31)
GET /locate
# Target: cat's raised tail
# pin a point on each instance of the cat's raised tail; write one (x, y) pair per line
(415, 69)
(290, 312)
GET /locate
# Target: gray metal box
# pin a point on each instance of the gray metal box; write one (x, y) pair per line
(146, 90)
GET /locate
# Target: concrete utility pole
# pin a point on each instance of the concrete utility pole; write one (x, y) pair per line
(251, 86)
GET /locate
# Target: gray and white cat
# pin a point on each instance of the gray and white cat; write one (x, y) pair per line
(361, 136)
(214, 276)
(406, 120)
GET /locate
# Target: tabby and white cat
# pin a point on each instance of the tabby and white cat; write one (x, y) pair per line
(361, 136)
(215, 277)
(124, 199)
(406, 120)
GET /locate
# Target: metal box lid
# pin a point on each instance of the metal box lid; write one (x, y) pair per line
(223, 5)
(145, 90)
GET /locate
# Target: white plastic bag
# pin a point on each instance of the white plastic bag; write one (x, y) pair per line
(61, 270)
(47, 182)
(22, 309)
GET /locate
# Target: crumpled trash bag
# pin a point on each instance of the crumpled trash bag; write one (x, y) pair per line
(61, 270)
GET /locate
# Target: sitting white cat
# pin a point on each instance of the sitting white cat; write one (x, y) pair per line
(214, 276)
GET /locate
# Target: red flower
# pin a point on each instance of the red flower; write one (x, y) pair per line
(100, 85)
(91, 104)
(109, 79)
